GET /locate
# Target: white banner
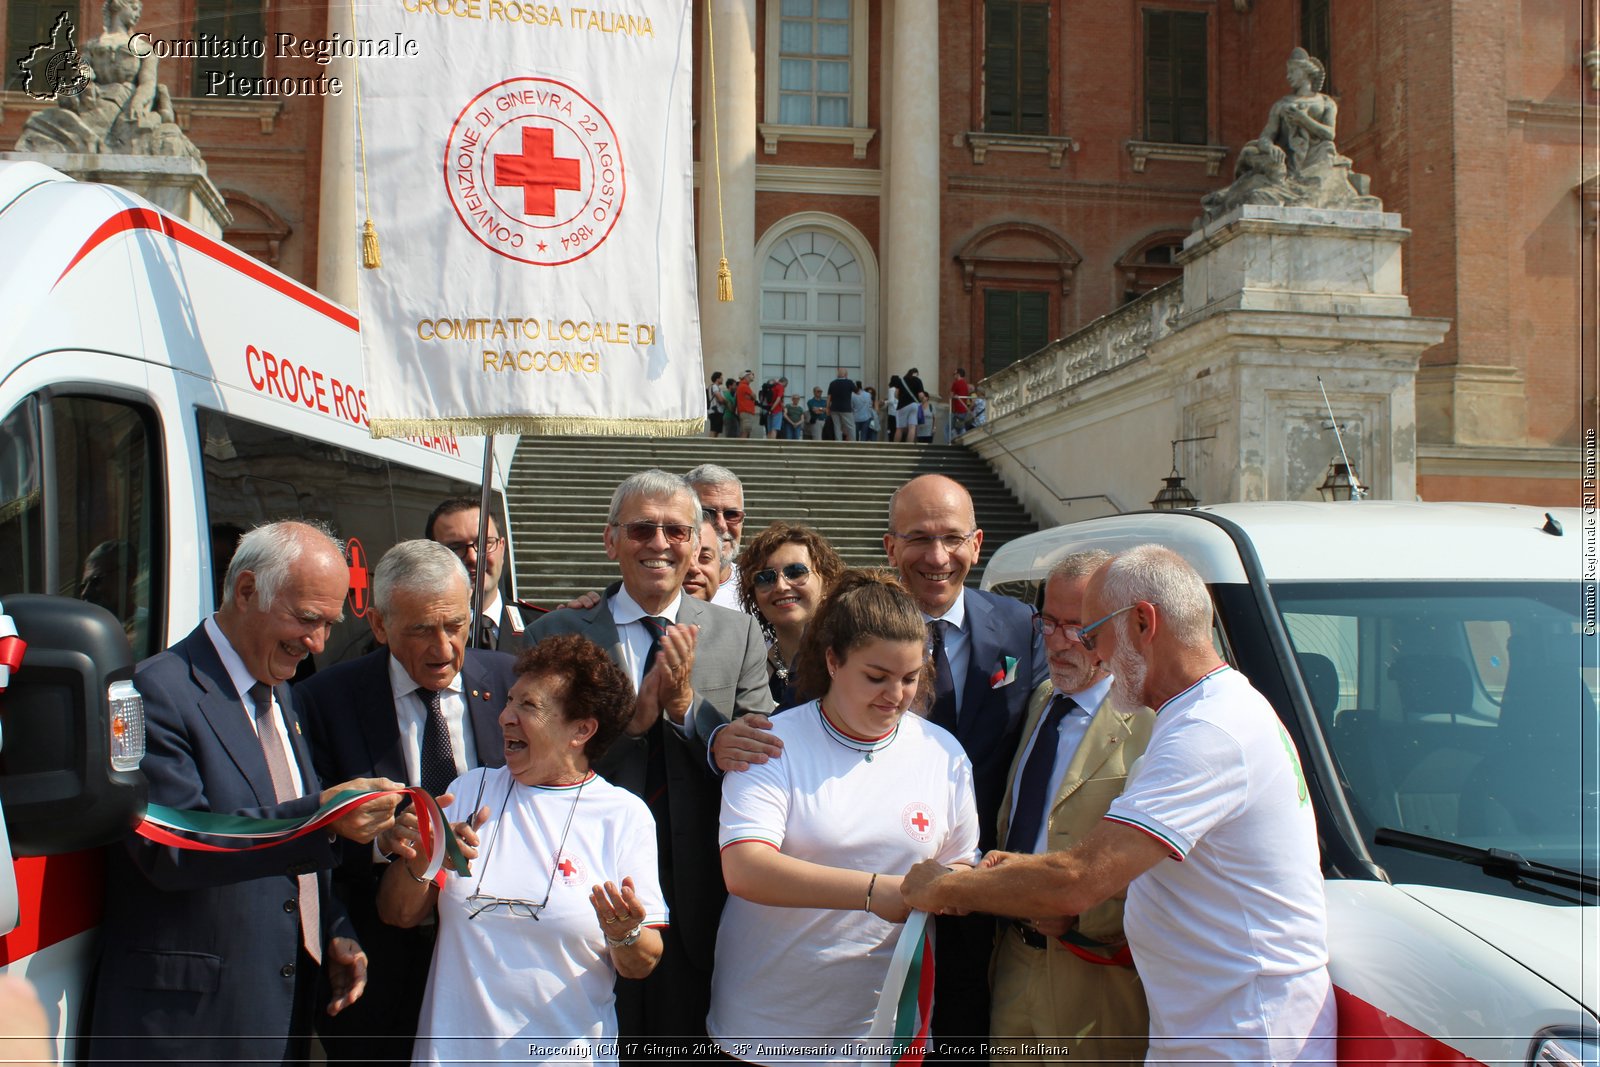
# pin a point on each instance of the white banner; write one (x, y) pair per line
(531, 179)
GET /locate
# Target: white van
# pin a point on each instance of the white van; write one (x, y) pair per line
(1436, 666)
(160, 393)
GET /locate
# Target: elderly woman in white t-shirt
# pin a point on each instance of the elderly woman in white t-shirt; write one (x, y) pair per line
(563, 894)
(814, 843)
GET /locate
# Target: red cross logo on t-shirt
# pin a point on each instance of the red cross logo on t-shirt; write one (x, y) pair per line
(538, 170)
(571, 869)
(917, 819)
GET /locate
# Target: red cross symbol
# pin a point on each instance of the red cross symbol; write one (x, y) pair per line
(920, 821)
(567, 868)
(538, 170)
(356, 557)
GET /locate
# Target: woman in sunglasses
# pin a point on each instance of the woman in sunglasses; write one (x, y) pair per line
(784, 572)
(814, 844)
(563, 895)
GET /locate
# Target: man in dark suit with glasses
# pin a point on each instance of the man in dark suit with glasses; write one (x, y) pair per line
(694, 665)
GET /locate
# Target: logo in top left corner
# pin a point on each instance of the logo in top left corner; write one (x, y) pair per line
(54, 68)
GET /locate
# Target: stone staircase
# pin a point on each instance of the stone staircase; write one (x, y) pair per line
(560, 491)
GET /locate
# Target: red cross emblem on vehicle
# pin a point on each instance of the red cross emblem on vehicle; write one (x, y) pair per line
(917, 819)
(360, 594)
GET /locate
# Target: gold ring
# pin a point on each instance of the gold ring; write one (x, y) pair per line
(611, 920)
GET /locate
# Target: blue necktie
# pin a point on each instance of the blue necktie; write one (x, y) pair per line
(1028, 813)
(943, 712)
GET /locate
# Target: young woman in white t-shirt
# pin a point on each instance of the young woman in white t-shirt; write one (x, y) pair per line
(814, 842)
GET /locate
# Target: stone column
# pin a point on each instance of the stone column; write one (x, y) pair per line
(338, 228)
(730, 333)
(911, 257)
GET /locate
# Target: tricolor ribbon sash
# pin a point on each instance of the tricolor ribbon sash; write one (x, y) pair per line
(905, 1007)
(243, 833)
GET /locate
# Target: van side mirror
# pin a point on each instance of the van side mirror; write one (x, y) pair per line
(71, 730)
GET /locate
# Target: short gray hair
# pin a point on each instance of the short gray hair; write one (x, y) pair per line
(1078, 565)
(656, 483)
(1156, 574)
(413, 566)
(709, 474)
(269, 551)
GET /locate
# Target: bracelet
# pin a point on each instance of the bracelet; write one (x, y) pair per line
(626, 939)
(870, 886)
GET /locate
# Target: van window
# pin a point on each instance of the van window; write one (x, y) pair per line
(85, 469)
(1455, 711)
(256, 474)
(21, 504)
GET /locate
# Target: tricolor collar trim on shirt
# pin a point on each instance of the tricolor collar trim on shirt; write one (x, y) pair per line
(564, 788)
(1195, 685)
(860, 744)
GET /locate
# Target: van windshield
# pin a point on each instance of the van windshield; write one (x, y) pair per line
(1459, 711)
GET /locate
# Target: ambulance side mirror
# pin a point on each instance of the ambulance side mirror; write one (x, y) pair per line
(71, 730)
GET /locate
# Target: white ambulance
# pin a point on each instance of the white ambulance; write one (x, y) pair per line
(160, 393)
(1436, 666)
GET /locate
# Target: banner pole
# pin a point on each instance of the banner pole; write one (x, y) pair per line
(485, 495)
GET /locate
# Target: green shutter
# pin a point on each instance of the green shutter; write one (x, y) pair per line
(232, 20)
(999, 329)
(28, 23)
(1175, 78)
(1033, 84)
(1000, 66)
(1033, 322)
(1189, 57)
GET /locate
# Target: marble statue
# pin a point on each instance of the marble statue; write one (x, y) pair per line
(120, 109)
(1294, 161)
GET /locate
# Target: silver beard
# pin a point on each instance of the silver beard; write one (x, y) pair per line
(1129, 669)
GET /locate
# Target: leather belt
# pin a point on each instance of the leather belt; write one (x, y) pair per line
(1030, 937)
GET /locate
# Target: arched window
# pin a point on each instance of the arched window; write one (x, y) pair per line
(1148, 264)
(815, 308)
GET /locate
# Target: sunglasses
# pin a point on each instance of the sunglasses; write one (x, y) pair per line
(732, 515)
(677, 533)
(795, 572)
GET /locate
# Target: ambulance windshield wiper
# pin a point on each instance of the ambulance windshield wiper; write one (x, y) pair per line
(1499, 863)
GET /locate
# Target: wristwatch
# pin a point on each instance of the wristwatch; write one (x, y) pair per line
(627, 939)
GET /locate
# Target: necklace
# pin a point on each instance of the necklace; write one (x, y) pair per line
(866, 747)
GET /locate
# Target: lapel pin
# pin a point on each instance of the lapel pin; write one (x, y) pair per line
(474, 692)
(297, 727)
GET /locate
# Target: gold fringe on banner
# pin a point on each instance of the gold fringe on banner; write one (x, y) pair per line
(539, 426)
(371, 258)
(724, 275)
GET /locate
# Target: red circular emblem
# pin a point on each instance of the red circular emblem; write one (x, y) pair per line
(917, 818)
(571, 869)
(360, 595)
(534, 171)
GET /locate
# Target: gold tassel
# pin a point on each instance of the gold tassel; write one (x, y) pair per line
(724, 281)
(371, 258)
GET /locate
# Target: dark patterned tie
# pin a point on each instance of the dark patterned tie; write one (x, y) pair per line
(655, 767)
(943, 712)
(283, 788)
(1028, 814)
(488, 633)
(438, 755)
(657, 625)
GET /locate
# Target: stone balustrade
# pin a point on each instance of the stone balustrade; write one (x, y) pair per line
(1105, 345)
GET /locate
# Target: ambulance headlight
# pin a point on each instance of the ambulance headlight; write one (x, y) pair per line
(1565, 1050)
(126, 725)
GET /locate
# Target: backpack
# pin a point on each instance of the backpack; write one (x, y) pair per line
(765, 398)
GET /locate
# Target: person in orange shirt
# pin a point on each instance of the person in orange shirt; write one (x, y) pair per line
(744, 403)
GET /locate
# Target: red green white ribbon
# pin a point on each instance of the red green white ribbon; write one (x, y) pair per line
(905, 1007)
(243, 833)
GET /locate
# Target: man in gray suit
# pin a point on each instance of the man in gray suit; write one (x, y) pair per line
(694, 666)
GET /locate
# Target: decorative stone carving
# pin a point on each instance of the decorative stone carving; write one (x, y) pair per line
(121, 110)
(1294, 161)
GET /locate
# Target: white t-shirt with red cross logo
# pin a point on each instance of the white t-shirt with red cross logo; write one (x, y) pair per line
(1230, 934)
(504, 986)
(813, 973)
